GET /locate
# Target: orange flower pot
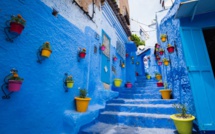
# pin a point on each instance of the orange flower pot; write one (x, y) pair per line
(165, 93)
(46, 53)
(158, 77)
(82, 104)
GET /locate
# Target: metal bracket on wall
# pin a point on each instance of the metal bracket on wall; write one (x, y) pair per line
(64, 82)
(10, 36)
(39, 57)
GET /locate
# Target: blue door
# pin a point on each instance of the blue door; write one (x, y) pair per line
(105, 57)
(200, 75)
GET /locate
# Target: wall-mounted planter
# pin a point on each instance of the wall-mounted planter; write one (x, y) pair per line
(163, 37)
(102, 47)
(126, 54)
(148, 77)
(16, 27)
(170, 48)
(158, 76)
(161, 52)
(117, 82)
(165, 93)
(82, 53)
(159, 84)
(12, 82)
(166, 62)
(114, 58)
(158, 58)
(129, 85)
(14, 85)
(159, 63)
(44, 52)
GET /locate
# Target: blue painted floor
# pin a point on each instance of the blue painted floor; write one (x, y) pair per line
(137, 110)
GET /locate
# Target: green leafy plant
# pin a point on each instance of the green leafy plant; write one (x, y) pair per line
(161, 50)
(165, 85)
(165, 59)
(182, 110)
(163, 36)
(46, 46)
(83, 93)
(146, 73)
(15, 77)
(157, 73)
(69, 78)
(137, 40)
(18, 19)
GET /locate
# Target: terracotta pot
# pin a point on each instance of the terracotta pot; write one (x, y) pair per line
(82, 54)
(171, 49)
(16, 27)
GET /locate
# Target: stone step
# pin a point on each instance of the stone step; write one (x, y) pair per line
(143, 101)
(141, 108)
(140, 96)
(141, 90)
(137, 119)
(104, 128)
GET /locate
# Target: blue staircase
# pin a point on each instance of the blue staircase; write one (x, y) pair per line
(138, 110)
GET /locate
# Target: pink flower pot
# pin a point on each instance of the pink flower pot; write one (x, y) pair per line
(114, 59)
(159, 63)
(160, 84)
(14, 85)
(171, 49)
(128, 85)
(161, 52)
(102, 48)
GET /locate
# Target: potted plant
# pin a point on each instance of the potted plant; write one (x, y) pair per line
(82, 53)
(163, 37)
(126, 54)
(14, 82)
(170, 48)
(182, 120)
(123, 65)
(159, 63)
(102, 47)
(165, 93)
(147, 76)
(46, 50)
(158, 76)
(160, 83)
(69, 81)
(158, 57)
(82, 101)
(161, 51)
(165, 62)
(137, 63)
(117, 82)
(17, 24)
(128, 84)
(114, 58)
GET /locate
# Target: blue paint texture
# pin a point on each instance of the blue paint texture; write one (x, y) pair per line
(175, 74)
(42, 105)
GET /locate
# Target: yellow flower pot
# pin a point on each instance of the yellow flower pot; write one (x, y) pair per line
(82, 104)
(46, 53)
(166, 63)
(117, 82)
(163, 39)
(165, 93)
(158, 77)
(148, 77)
(69, 84)
(183, 125)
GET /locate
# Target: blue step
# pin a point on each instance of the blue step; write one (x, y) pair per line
(143, 101)
(141, 108)
(140, 96)
(137, 119)
(104, 128)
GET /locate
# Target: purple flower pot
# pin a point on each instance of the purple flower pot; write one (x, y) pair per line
(128, 85)
(14, 85)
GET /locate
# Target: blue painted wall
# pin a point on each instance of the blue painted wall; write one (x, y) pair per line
(176, 75)
(42, 106)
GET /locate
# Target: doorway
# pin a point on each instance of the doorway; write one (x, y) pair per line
(209, 35)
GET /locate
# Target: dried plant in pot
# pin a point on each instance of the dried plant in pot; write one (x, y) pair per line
(182, 120)
(82, 101)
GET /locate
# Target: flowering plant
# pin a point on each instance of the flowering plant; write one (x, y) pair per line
(18, 19)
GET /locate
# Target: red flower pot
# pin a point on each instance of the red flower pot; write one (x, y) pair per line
(16, 27)
(114, 59)
(158, 58)
(128, 85)
(14, 85)
(161, 52)
(126, 55)
(160, 84)
(102, 48)
(82, 54)
(137, 73)
(171, 49)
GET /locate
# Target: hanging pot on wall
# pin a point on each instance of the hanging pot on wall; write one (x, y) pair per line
(129, 85)
(170, 48)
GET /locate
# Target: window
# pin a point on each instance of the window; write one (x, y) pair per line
(120, 49)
